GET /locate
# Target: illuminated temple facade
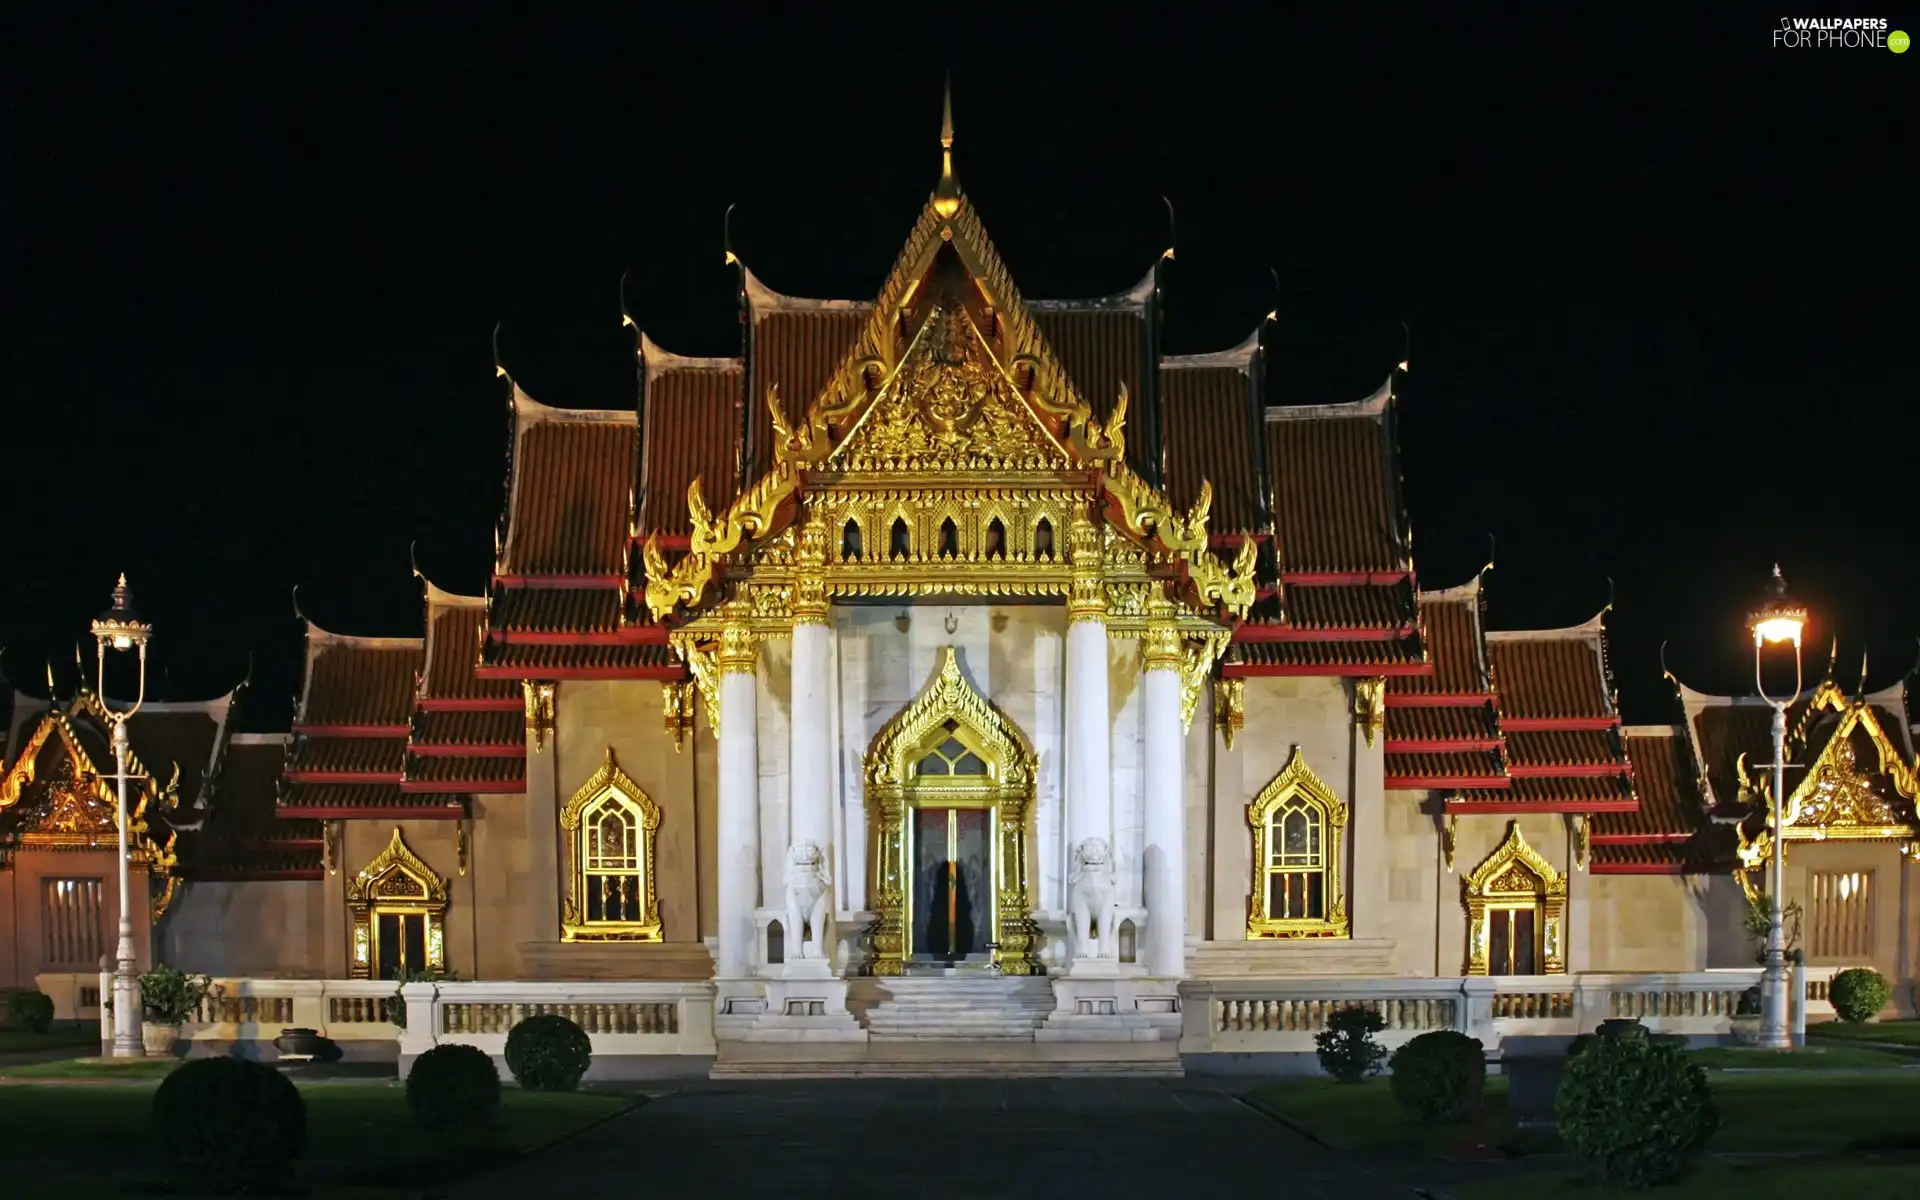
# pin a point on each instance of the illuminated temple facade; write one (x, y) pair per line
(956, 639)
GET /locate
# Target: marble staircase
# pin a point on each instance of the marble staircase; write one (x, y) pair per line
(948, 1008)
(931, 1059)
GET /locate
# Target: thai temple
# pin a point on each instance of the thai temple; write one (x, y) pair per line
(954, 664)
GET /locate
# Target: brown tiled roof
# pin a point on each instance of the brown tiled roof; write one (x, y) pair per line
(370, 796)
(1541, 676)
(359, 681)
(349, 756)
(449, 771)
(1434, 723)
(557, 610)
(1454, 643)
(1207, 426)
(1351, 606)
(1710, 852)
(1664, 780)
(454, 624)
(1553, 794)
(573, 478)
(1102, 346)
(693, 432)
(454, 631)
(163, 736)
(1561, 747)
(1724, 731)
(1476, 765)
(631, 656)
(798, 348)
(469, 728)
(1335, 658)
(1335, 497)
(242, 835)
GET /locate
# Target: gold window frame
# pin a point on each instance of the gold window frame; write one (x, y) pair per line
(1297, 781)
(608, 783)
(396, 882)
(1516, 876)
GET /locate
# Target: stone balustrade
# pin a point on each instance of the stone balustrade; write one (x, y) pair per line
(639, 1019)
(250, 1014)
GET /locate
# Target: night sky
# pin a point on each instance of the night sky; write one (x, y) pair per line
(1660, 281)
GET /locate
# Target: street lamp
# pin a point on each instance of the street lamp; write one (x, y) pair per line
(1777, 620)
(120, 629)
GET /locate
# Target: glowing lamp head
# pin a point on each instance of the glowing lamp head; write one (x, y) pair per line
(120, 627)
(1777, 619)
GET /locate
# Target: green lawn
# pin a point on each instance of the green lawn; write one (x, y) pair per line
(19, 1041)
(361, 1141)
(93, 1068)
(1773, 1181)
(1892, 1033)
(1807, 1058)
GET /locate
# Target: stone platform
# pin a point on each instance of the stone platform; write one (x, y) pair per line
(928, 1059)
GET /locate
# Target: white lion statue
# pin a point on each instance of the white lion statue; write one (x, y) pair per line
(806, 928)
(1092, 907)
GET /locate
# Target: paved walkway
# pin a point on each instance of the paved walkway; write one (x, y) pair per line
(952, 1139)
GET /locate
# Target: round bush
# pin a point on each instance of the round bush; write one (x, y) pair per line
(548, 1053)
(226, 1125)
(1635, 1110)
(1435, 1074)
(1346, 1047)
(31, 1011)
(1859, 993)
(453, 1085)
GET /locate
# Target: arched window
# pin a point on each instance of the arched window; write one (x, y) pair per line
(950, 757)
(949, 539)
(1297, 889)
(608, 830)
(1043, 539)
(996, 542)
(899, 543)
(850, 549)
(1516, 911)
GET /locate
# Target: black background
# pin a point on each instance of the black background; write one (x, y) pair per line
(1660, 281)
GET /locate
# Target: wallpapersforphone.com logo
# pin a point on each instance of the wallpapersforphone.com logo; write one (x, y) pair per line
(1839, 33)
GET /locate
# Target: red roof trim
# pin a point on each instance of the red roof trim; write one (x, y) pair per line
(1626, 804)
(1638, 839)
(1251, 670)
(1344, 578)
(668, 541)
(1405, 783)
(1438, 699)
(352, 731)
(1639, 868)
(470, 704)
(1441, 745)
(298, 776)
(1539, 724)
(559, 582)
(1566, 770)
(669, 674)
(383, 812)
(469, 750)
(493, 787)
(1350, 633)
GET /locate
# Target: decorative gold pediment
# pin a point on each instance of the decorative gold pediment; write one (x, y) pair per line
(1298, 789)
(1516, 875)
(397, 873)
(949, 697)
(610, 790)
(1839, 798)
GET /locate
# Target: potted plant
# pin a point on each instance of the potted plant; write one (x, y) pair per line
(168, 997)
(1746, 1017)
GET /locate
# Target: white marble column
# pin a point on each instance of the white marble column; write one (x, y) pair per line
(739, 804)
(811, 763)
(1089, 703)
(1166, 815)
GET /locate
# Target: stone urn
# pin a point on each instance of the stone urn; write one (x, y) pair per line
(1746, 1030)
(160, 1040)
(306, 1045)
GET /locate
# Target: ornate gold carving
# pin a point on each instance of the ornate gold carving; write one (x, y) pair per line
(607, 843)
(539, 698)
(396, 881)
(676, 706)
(1231, 587)
(1449, 838)
(702, 664)
(948, 706)
(1837, 797)
(1162, 648)
(1087, 601)
(1296, 790)
(1516, 876)
(462, 846)
(1196, 667)
(1230, 708)
(330, 846)
(1583, 841)
(809, 596)
(1370, 706)
(739, 650)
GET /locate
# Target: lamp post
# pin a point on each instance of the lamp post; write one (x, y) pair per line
(1777, 620)
(119, 629)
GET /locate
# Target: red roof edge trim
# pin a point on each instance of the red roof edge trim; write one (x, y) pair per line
(1408, 783)
(1438, 699)
(1655, 868)
(343, 776)
(1566, 770)
(469, 704)
(632, 635)
(668, 541)
(1343, 578)
(1539, 724)
(486, 787)
(382, 812)
(1543, 806)
(668, 674)
(352, 731)
(1251, 670)
(469, 749)
(239, 875)
(559, 582)
(1638, 839)
(1441, 745)
(1350, 633)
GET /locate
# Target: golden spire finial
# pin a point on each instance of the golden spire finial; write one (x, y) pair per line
(946, 197)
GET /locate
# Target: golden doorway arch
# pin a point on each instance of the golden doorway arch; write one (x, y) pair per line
(947, 753)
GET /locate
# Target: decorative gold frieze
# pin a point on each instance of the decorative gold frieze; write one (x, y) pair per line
(1087, 599)
(539, 697)
(739, 650)
(703, 665)
(1370, 707)
(398, 884)
(1230, 708)
(676, 708)
(1515, 879)
(1297, 886)
(607, 834)
(1162, 647)
(808, 602)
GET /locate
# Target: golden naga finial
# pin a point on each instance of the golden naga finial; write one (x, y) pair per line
(946, 196)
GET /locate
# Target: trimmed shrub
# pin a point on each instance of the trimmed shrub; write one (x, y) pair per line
(170, 996)
(31, 1011)
(453, 1085)
(1346, 1047)
(1434, 1076)
(1859, 993)
(548, 1053)
(226, 1125)
(1634, 1110)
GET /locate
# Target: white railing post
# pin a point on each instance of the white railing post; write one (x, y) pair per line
(423, 1019)
(106, 1015)
(1476, 1010)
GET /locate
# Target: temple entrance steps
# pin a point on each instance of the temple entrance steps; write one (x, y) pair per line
(929, 1059)
(960, 1007)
